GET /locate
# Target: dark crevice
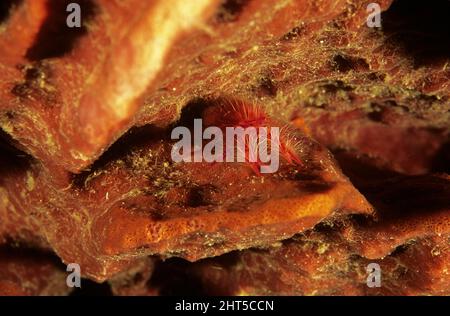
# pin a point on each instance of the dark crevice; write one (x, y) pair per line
(294, 33)
(55, 38)
(441, 162)
(12, 160)
(315, 186)
(90, 288)
(136, 137)
(193, 110)
(179, 277)
(401, 249)
(393, 194)
(173, 278)
(37, 76)
(421, 28)
(230, 10)
(6, 7)
(200, 196)
(345, 63)
(268, 86)
(13, 249)
(139, 137)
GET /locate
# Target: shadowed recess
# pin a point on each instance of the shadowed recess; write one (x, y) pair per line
(421, 28)
(180, 277)
(12, 160)
(55, 38)
(136, 137)
(6, 7)
(90, 288)
(230, 10)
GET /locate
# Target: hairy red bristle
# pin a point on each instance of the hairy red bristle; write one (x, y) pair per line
(231, 112)
(289, 146)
